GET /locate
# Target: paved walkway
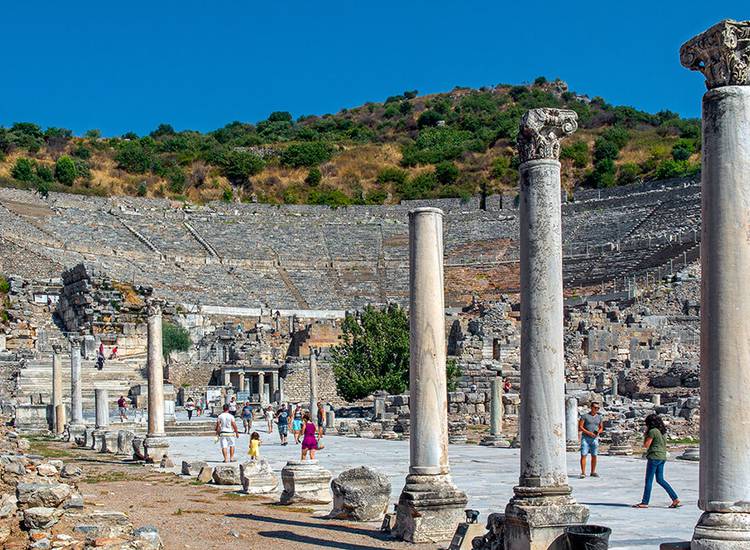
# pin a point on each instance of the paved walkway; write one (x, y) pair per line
(488, 475)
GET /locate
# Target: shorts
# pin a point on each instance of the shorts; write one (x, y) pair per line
(283, 429)
(123, 411)
(296, 425)
(227, 441)
(589, 445)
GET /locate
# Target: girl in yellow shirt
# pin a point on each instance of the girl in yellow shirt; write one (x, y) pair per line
(254, 450)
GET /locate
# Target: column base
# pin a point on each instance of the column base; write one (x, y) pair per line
(95, 440)
(155, 447)
(722, 531)
(429, 509)
(76, 430)
(495, 441)
(109, 442)
(139, 451)
(536, 518)
(305, 482)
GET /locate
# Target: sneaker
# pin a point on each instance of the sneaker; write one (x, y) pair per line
(582, 476)
(594, 474)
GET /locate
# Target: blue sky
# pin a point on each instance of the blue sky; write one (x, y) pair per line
(121, 66)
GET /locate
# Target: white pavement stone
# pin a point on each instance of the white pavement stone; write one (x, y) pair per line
(488, 475)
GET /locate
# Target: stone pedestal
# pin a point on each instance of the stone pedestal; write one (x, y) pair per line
(360, 494)
(542, 505)
(109, 442)
(305, 482)
(155, 444)
(125, 442)
(257, 477)
(139, 449)
(621, 444)
(722, 54)
(430, 506)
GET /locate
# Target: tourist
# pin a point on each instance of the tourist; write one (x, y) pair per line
(297, 424)
(507, 386)
(310, 442)
(282, 421)
(247, 417)
(226, 433)
(254, 449)
(590, 425)
(122, 406)
(100, 359)
(269, 418)
(233, 406)
(101, 349)
(113, 353)
(656, 456)
(321, 420)
(199, 407)
(190, 407)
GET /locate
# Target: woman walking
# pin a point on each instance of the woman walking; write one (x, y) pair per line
(656, 455)
(297, 424)
(310, 442)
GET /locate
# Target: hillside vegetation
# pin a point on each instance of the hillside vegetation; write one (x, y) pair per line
(408, 147)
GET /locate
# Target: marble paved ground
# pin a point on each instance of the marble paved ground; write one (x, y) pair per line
(487, 476)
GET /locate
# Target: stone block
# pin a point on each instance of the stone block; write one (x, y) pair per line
(360, 494)
(206, 474)
(41, 517)
(305, 481)
(257, 477)
(192, 468)
(31, 495)
(227, 474)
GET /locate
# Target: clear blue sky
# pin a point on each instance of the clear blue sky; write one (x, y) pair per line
(131, 65)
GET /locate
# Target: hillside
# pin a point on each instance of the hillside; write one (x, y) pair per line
(443, 145)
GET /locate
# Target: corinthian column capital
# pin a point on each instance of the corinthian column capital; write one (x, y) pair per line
(722, 54)
(153, 307)
(541, 131)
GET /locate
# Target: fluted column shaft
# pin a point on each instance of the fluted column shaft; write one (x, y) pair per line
(155, 375)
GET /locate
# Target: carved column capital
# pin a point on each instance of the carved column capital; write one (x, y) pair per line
(541, 131)
(153, 307)
(722, 54)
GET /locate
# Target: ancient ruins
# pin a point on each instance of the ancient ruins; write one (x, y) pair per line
(632, 297)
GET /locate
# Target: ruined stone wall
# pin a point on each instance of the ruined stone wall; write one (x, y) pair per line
(297, 383)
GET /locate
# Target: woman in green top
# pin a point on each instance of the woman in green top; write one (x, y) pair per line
(656, 455)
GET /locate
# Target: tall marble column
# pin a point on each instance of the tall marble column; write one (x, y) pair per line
(430, 506)
(722, 53)
(542, 504)
(241, 382)
(261, 384)
(313, 384)
(495, 437)
(58, 407)
(571, 423)
(77, 426)
(155, 443)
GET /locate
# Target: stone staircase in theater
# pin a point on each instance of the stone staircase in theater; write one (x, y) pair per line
(117, 376)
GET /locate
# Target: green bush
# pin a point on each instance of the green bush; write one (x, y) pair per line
(174, 338)
(373, 354)
(42, 188)
(391, 174)
(82, 152)
(683, 149)
(605, 149)
(4, 285)
(446, 172)
(617, 135)
(309, 154)
(227, 195)
(578, 152)
(420, 186)
(134, 157)
(280, 116)
(23, 169)
(142, 189)
(435, 145)
(628, 173)
(502, 170)
(238, 166)
(313, 177)
(329, 197)
(452, 374)
(376, 196)
(65, 170)
(45, 173)
(603, 174)
(671, 168)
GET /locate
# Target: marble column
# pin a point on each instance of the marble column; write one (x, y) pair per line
(101, 397)
(261, 384)
(313, 384)
(571, 424)
(57, 391)
(430, 506)
(495, 437)
(155, 443)
(77, 426)
(241, 383)
(722, 54)
(542, 504)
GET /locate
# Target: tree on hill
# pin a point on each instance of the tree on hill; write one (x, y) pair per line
(65, 170)
(238, 166)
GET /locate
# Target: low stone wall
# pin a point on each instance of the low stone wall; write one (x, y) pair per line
(297, 383)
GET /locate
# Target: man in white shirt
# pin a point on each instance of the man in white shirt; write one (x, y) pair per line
(227, 432)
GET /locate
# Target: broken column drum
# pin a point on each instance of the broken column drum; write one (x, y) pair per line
(155, 444)
(542, 504)
(430, 506)
(722, 54)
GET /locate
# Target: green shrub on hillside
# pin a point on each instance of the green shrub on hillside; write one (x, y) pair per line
(4, 285)
(446, 172)
(238, 166)
(23, 169)
(578, 152)
(628, 173)
(329, 197)
(133, 157)
(391, 174)
(671, 168)
(683, 149)
(44, 173)
(435, 145)
(313, 177)
(419, 187)
(65, 170)
(301, 155)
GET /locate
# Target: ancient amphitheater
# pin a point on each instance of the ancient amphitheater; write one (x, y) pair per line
(317, 258)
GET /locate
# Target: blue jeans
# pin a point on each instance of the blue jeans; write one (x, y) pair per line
(656, 467)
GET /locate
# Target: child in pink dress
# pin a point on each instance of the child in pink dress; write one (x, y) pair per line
(310, 442)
